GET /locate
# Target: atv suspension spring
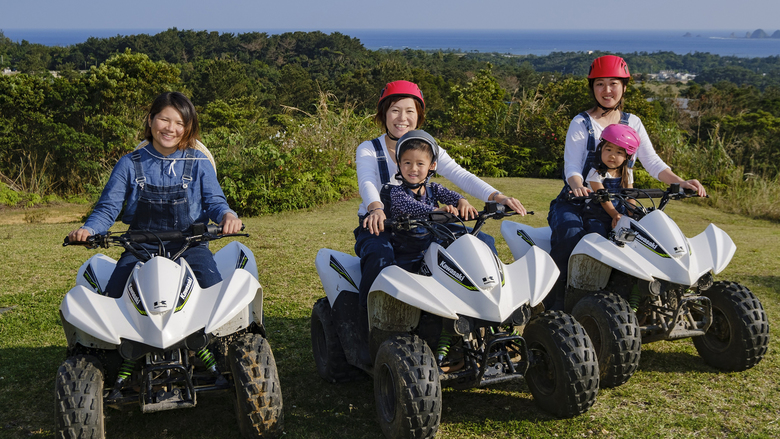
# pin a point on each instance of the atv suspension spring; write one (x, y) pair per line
(634, 298)
(208, 359)
(125, 370)
(444, 345)
(211, 364)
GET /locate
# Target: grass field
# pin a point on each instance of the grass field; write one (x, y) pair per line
(673, 394)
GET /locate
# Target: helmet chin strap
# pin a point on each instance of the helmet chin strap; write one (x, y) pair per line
(606, 110)
(406, 184)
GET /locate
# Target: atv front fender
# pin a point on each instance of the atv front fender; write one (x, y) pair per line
(713, 249)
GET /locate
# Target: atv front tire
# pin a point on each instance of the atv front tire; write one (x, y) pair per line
(739, 335)
(328, 352)
(78, 391)
(407, 388)
(564, 374)
(614, 332)
(258, 395)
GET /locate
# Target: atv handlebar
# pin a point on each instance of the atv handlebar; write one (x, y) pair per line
(433, 221)
(624, 196)
(130, 239)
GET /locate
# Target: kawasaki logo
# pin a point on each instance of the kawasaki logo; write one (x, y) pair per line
(646, 242)
(186, 290)
(135, 298)
(451, 271)
(643, 238)
(184, 295)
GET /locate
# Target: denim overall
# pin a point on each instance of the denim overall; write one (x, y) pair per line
(594, 218)
(410, 246)
(164, 208)
(376, 251)
(565, 218)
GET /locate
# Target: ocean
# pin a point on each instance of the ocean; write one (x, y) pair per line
(518, 42)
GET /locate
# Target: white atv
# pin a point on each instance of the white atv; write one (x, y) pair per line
(467, 320)
(165, 340)
(648, 282)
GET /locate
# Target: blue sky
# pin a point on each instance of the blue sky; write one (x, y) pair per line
(731, 15)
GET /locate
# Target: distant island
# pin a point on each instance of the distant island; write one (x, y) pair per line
(759, 33)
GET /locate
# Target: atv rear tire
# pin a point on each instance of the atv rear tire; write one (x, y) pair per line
(614, 332)
(258, 395)
(564, 373)
(407, 388)
(326, 347)
(739, 335)
(78, 391)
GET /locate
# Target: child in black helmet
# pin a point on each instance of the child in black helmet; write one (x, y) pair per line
(416, 155)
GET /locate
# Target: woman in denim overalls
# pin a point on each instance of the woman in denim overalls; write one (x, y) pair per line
(164, 184)
(608, 79)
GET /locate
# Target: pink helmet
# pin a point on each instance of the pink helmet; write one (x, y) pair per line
(623, 136)
(401, 88)
(608, 66)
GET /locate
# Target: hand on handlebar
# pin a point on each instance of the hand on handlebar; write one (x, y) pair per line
(465, 210)
(448, 208)
(512, 203)
(694, 185)
(230, 224)
(581, 191)
(375, 221)
(78, 235)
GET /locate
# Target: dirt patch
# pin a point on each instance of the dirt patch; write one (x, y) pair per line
(50, 214)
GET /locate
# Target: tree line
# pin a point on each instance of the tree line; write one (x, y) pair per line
(284, 113)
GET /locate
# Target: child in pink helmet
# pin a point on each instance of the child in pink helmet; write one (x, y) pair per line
(610, 170)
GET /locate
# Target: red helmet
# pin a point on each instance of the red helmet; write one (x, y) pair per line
(609, 66)
(623, 136)
(401, 88)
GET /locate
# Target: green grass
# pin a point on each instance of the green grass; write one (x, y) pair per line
(673, 394)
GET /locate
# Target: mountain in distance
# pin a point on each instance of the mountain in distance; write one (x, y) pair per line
(758, 33)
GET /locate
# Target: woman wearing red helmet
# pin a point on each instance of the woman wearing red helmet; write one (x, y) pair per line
(607, 80)
(401, 108)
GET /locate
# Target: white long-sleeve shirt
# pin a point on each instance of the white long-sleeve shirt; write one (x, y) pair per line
(576, 150)
(370, 182)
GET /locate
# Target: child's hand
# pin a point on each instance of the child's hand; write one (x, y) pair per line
(447, 208)
(465, 210)
(615, 220)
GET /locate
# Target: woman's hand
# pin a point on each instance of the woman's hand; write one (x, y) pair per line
(78, 235)
(375, 221)
(465, 210)
(230, 224)
(512, 203)
(580, 191)
(694, 185)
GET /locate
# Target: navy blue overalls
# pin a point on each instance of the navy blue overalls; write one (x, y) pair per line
(594, 218)
(565, 220)
(164, 208)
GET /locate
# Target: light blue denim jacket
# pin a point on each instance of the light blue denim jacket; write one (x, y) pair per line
(206, 199)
